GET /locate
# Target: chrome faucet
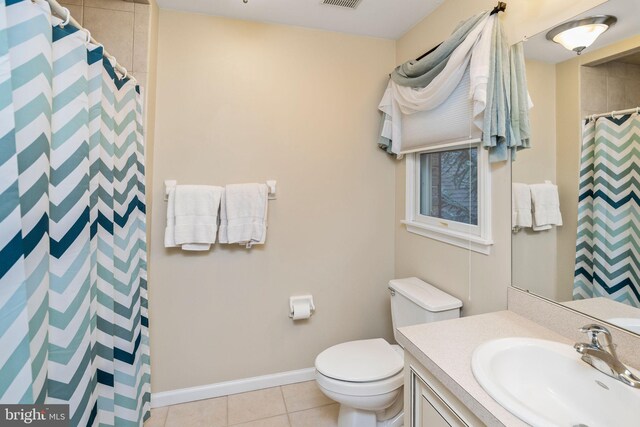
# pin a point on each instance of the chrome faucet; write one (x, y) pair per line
(600, 352)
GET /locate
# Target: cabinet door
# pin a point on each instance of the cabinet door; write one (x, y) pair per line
(428, 409)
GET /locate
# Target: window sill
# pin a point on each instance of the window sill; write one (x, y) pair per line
(462, 240)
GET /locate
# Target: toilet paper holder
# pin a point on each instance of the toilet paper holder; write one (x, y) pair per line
(302, 299)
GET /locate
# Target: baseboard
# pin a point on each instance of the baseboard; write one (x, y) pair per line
(209, 391)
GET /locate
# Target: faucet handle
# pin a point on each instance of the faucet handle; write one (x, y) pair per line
(598, 335)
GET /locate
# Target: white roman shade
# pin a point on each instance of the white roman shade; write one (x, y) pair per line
(451, 121)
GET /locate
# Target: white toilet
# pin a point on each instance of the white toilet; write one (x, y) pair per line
(366, 376)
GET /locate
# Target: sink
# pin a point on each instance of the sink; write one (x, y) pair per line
(629, 323)
(545, 383)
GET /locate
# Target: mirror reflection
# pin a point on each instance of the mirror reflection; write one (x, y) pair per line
(576, 194)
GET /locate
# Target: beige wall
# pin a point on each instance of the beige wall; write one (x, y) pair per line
(534, 253)
(610, 86)
(568, 135)
(121, 26)
(245, 102)
(480, 281)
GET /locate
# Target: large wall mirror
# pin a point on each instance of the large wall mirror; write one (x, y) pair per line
(590, 263)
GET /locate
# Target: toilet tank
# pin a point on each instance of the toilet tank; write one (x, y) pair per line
(414, 301)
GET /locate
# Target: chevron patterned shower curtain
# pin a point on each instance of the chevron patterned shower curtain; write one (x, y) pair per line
(73, 299)
(608, 245)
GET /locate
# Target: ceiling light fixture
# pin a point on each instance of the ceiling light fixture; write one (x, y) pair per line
(580, 34)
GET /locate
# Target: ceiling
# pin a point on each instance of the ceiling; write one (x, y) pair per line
(388, 19)
(539, 48)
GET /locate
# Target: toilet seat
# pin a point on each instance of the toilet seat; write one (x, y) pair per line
(373, 388)
(361, 368)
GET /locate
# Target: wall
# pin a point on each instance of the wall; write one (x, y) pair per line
(480, 281)
(610, 86)
(534, 253)
(121, 26)
(568, 135)
(245, 102)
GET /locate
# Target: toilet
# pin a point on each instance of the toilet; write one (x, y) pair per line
(366, 376)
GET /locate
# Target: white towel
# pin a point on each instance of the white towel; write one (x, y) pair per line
(169, 231)
(192, 217)
(520, 205)
(546, 206)
(243, 214)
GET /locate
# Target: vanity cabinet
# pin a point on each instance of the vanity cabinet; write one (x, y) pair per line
(428, 403)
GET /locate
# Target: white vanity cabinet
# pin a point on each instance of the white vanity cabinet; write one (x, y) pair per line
(428, 403)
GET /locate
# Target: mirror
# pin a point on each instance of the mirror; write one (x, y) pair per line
(602, 277)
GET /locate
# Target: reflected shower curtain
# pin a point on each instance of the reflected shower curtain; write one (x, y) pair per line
(608, 245)
(73, 300)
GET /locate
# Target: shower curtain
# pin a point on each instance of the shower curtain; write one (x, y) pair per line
(608, 244)
(73, 299)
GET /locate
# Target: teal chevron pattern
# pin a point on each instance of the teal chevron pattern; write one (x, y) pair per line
(73, 283)
(608, 244)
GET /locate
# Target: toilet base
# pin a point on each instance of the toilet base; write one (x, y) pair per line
(392, 416)
(351, 417)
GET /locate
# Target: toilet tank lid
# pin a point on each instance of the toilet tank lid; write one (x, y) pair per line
(425, 295)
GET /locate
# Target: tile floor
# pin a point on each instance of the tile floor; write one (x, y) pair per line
(293, 405)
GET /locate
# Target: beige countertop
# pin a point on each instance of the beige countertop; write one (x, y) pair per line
(603, 308)
(445, 349)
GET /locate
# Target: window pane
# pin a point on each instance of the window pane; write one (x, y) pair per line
(449, 185)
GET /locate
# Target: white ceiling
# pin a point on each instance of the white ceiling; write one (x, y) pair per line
(628, 25)
(388, 19)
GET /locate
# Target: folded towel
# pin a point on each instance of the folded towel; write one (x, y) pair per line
(546, 206)
(243, 214)
(192, 217)
(169, 231)
(520, 205)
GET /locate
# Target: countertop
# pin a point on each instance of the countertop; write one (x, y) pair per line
(445, 349)
(603, 308)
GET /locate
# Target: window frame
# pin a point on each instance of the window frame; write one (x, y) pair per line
(476, 238)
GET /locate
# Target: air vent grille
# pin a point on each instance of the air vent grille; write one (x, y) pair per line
(350, 4)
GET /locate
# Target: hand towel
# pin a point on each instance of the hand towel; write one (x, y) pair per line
(243, 214)
(169, 231)
(195, 217)
(520, 205)
(546, 206)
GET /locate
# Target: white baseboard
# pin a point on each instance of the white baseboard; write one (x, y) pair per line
(173, 397)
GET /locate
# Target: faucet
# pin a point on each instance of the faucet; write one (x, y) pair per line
(600, 353)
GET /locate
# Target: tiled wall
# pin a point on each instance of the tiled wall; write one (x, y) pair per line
(121, 26)
(611, 86)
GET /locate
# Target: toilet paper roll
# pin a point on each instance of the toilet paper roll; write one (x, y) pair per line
(301, 310)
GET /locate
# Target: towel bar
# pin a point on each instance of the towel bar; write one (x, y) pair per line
(170, 184)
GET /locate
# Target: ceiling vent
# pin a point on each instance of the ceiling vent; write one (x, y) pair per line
(349, 4)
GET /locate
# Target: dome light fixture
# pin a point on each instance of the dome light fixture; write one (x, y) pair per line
(580, 34)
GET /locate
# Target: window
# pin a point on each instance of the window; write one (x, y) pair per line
(448, 192)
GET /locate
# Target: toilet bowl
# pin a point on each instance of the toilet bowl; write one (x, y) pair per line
(366, 376)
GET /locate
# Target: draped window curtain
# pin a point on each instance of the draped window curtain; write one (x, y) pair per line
(607, 254)
(73, 299)
(498, 87)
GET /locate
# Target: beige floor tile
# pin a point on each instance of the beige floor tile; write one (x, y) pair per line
(256, 405)
(158, 417)
(279, 421)
(325, 416)
(300, 396)
(203, 413)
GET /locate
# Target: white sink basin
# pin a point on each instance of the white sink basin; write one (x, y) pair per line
(628, 323)
(545, 383)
